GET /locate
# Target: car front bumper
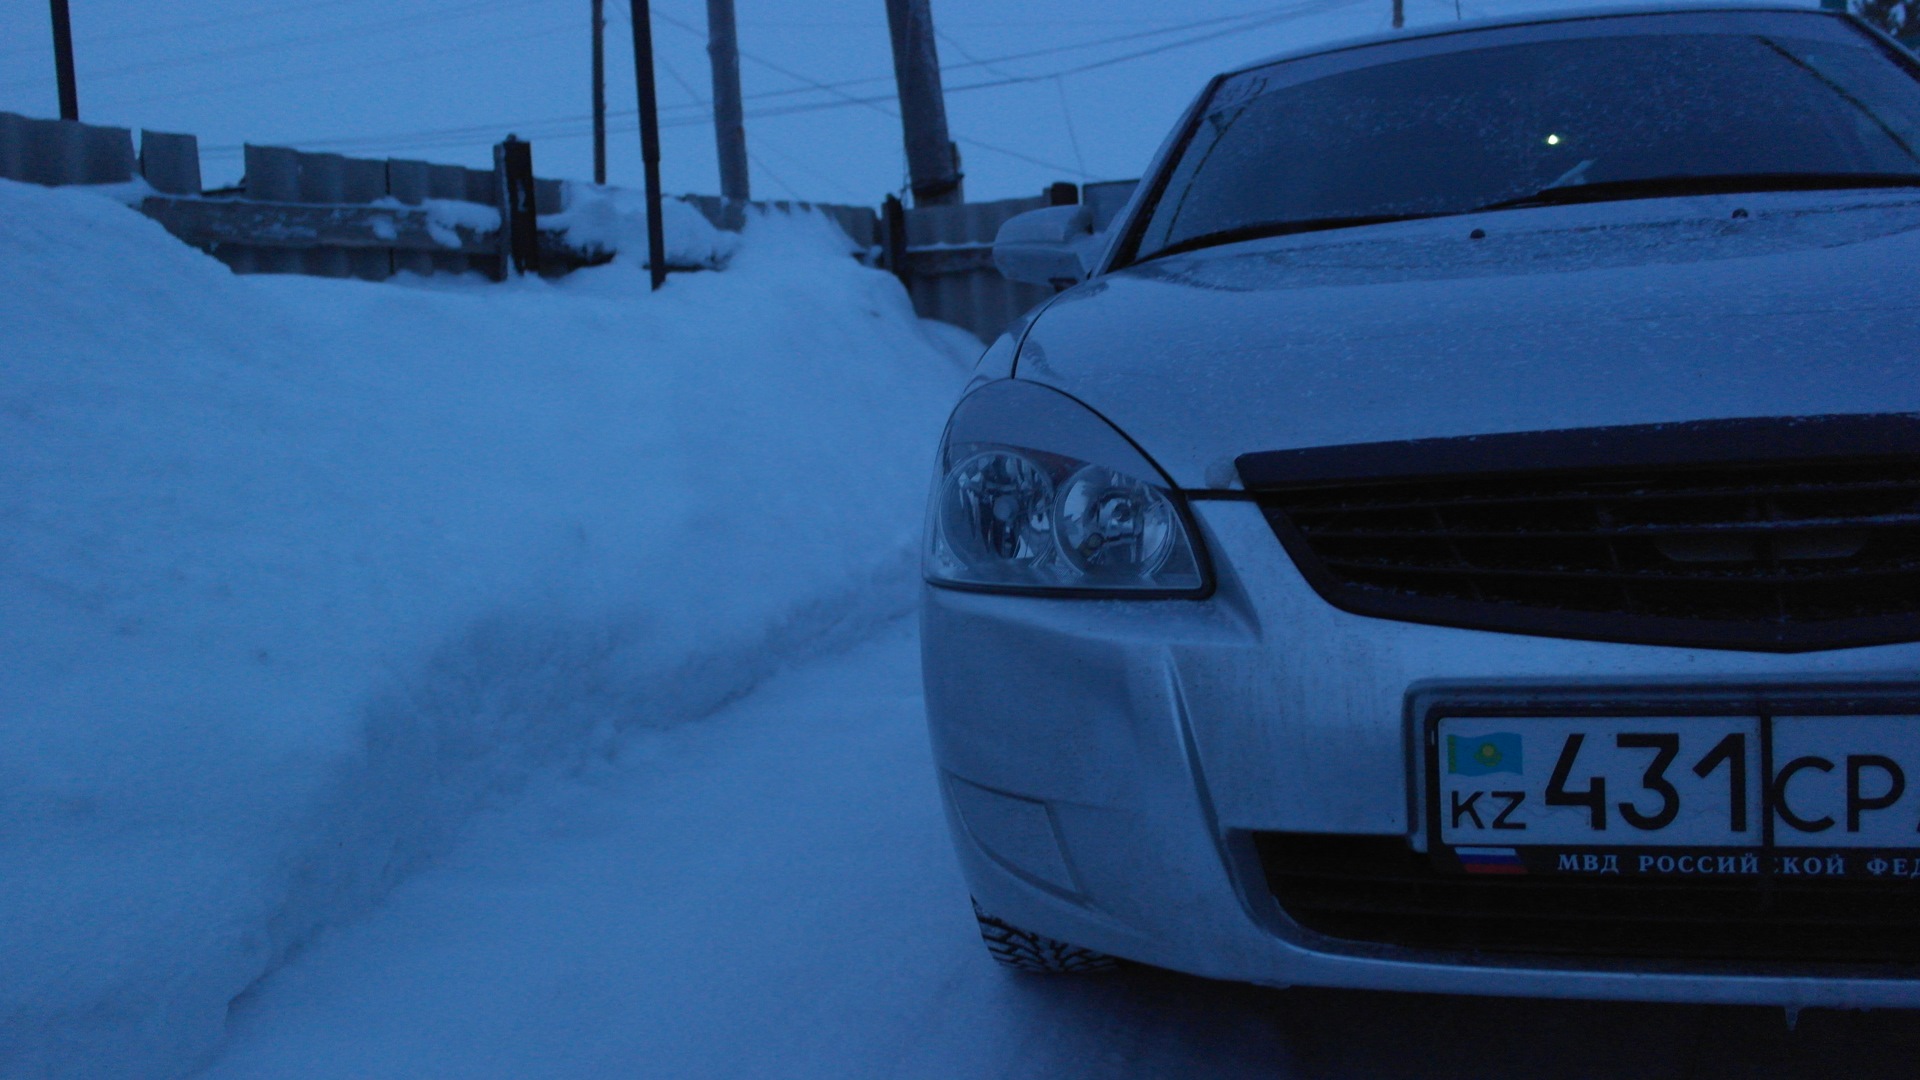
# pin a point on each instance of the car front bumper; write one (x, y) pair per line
(1105, 763)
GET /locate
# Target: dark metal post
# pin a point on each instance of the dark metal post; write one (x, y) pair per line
(649, 139)
(1399, 13)
(63, 61)
(729, 122)
(893, 228)
(519, 223)
(933, 162)
(599, 92)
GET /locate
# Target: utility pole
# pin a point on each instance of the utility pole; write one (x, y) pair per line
(933, 162)
(1399, 13)
(729, 121)
(63, 61)
(599, 92)
(649, 139)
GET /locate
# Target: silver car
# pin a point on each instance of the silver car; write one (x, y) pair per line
(1459, 528)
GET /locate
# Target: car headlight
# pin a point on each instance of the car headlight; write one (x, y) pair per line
(1036, 493)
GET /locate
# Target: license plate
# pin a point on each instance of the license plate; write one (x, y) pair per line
(1688, 795)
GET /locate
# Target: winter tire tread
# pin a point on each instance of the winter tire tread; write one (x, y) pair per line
(1023, 950)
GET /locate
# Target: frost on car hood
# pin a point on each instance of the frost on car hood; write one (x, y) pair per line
(1579, 316)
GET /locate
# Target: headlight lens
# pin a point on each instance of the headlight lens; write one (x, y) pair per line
(1037, 493)
(1111, 525)
(997, 506)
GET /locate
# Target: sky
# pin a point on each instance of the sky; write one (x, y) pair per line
(1038, 90)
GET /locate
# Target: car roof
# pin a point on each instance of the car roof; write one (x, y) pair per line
(1531, 18)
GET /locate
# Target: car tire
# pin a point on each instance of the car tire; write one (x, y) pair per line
(1024, 950)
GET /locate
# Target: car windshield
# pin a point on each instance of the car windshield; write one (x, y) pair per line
(1794, 100)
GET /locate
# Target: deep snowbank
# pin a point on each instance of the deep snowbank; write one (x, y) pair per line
(295, 573)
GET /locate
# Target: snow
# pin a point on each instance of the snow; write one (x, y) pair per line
(770, 893)
(296, 575)
(655, 914)
(615, 219)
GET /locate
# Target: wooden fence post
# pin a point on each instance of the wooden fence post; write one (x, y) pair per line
(893, 232)
(729, 126)
(519, 223)
(642, 20)
(933, 161)
(599, 92)
(63, 61)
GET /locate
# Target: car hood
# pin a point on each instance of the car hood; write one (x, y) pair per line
(1581, 316)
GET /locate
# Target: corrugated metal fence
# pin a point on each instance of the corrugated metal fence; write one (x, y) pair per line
(294, 213)
(56, 152)
(948, 265)
(279, 175)
(949, 272)
(335, 216)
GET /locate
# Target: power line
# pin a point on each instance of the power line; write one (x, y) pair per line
(345, 34)
(485, 134)
(174, 28)
(807, 169)
(989, 67)
(1018, 156)
(674, 74)
(873, 103)
(1171, 45)
(810, 86)
(1014, 80)
(1055, 50)
(774, 176)
(411, 57)
(1254, 19)
(765, 63)
(1066, 113)
(1311, 7)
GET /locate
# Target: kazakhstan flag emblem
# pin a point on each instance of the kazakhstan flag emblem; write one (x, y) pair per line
(1478, 755)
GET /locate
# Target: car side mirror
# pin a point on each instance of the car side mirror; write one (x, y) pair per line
(1052, 246)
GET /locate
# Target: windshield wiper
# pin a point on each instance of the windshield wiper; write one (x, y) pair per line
(1562, 194)
(1282, 228)
(1731, 184)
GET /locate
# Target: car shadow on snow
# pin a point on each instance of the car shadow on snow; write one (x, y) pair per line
(1154, 1021)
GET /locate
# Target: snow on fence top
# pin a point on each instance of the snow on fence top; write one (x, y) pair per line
(334, 216)
(329, 215)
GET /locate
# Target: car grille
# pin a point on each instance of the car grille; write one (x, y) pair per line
(1377, 890)
(1771, 555)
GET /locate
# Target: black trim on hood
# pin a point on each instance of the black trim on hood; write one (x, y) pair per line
(1693, 443)
(1779, 534)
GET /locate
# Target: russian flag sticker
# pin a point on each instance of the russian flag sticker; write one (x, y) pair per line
(1490, 860)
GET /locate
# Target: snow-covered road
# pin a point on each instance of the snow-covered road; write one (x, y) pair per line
(769, 893)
